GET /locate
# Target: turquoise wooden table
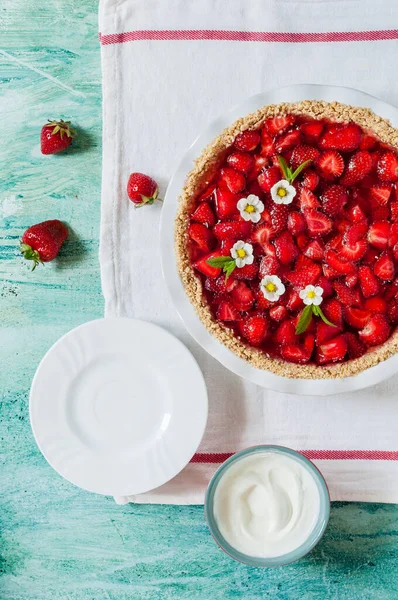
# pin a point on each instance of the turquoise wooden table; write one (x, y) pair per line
(59, 542)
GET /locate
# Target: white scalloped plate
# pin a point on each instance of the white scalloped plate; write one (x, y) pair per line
(118, 406)
(321, 387)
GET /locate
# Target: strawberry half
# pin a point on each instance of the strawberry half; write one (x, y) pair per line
(226, 203)
(255, 329)
(330, 164)
(233, 230)
(359, 165)
(241, 161)
(234, 180)
(286, 251)
(202, 236)
(380, 193)
(387, 167)
(384, 267)
(247, 141)
(378, 234)
(368, 282)
(333, 199)
(269, 265)
(376, 331)
(303, 153)
(203, 266)
(295, 354)
(227, 312)
(268, 178)
(204, 214)
(318, 224)
(332, 351)
(357, 317)
(344, 137)
(278, 124)
(242, 297)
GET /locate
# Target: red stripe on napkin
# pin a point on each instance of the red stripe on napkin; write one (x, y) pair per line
(220, 457)
(247, 36)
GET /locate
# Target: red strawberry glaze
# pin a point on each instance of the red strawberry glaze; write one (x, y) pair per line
(339, 232)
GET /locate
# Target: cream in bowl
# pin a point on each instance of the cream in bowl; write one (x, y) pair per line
(267, 506)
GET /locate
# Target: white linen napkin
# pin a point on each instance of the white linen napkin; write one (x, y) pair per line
(170, 67)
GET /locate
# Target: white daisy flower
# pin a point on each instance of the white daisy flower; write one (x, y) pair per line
(250, 208)
(242, 253)
(282, 192)
(312, 295)
(272, 287)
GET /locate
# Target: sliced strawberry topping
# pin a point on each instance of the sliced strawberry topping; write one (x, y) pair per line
(308, 276)
(394, 210)
(286, 334)
(368, 282)
(288, 140)
(242, 296)
(261, 301)
(268, 178)
(355, 347)
(223, 285)
(357, 317)
(267, 144)
(376, 331)
(378, 234)
(202, 236)
(255, 329)
(203, 266)
(295, 354)
(376, 304)
(367, 142)
(247, 141)
(326, 285)
(241, 161)
(387, 167)
(330, 164)
(294, 302)
(339, 264)
(226, 203)
(262, 234)
(345, 137)
(286, 251)
(269, 265)
(333, 199)
(310, 179)
(296, 223)
(204, 214)
(393, 311)
(312, 130)
(278, 313)
(278, 124)
(307, 199)
(355, 214)
(279, 215)
(351, 280)
(302, 154)
(333, 311)
(325, 332)
(234, 180)
(318, 224)
(315, 250)
(332, 351)
(347, 296)
(359, 165)
(246, 272)
(227, 312)
(233, 230)
(380, 193)
(208, 193)
(384, 267)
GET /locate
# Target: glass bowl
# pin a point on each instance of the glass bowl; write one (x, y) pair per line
(315, 535)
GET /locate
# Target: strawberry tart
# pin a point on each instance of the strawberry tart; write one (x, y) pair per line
(287, 239)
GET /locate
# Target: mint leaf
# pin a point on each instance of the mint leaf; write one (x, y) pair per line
(305, 319)
(319, 313)
(220, 261)
(228, 269)
(298, 170)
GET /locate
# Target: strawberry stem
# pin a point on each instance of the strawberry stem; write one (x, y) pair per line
(29, 254)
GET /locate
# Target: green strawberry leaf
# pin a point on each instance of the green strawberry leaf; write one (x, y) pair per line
(318, 312)
(287, 173)
(305, 319)
(220, 261)
(228, 269)
(298, 170)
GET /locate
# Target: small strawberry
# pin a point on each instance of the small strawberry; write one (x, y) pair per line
(368, 282)
(278, 313)
(233, 230)
(261, 234)
(278, 124)
(202, 236)
(309, 276)
(376, 331)
(332, 351)
(241, 161)
(351, 280)
(242, 296)
(293, 300)
(355, 213)
(279, 215)
(359, 165)
(302, 154)
(56, 136)
(268, 178)
(339, 264)
(318, 223)
(333, 199)
(234, 180)
(204, 214)
(286, 334)
(255, 329)
(330, 164)
(269, 265)
(227, 312)
(246, 272)
(142, 189)
(356, 317)
(380, 193)
(355, 347)
(226, 203)
(377, 304)
(295, 354)
(286, 251)
(344, 137)
(384, 267)
(296, 222)
(315, 250)
(312, 130)
(333, 311)
(387, 167)
(347, 296)
(203, 266)
(307, 199)
(247, 141)
(310, 179)
(42, 242)
(378, 234)
(287, 140)
(261, 301)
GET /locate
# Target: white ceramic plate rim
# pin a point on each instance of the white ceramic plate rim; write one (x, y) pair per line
(294, 93)
(193, 429)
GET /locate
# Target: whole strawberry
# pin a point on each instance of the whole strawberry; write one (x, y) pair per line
(142, 189)
(42, 242)
(56, 136)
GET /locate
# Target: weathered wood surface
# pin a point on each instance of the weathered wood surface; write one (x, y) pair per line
(59, 542)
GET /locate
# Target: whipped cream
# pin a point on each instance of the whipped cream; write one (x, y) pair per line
(266, 504)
